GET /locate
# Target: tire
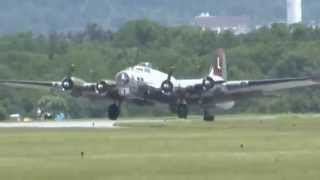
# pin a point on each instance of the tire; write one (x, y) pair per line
(113, 112)
(182, 111)
(208, 117)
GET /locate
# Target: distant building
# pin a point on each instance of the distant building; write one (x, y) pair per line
(294, 11)
(236, 24)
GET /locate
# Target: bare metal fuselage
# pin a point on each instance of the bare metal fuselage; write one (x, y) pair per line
(143, 80)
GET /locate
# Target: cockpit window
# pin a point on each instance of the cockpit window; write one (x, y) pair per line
(139, 69)
(146, 64)
(147, 70)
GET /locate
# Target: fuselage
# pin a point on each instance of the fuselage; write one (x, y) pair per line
(131, 80)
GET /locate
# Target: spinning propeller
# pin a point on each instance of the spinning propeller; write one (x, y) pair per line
(207, 83)
(167, 85)
(101, 87)
(67, 83)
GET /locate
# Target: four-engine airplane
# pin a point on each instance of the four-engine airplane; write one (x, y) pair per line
(144, 85)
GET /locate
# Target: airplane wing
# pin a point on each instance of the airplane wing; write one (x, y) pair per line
(76, 86)
(238, 89)
(30, 84)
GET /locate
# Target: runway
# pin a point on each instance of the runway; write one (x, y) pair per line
(57, 124)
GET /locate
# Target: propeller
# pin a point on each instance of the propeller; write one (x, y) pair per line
(101, 87)
(207, 83)
(67, 83)
(167, 85)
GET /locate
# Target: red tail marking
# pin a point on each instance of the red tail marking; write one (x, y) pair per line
(218, 65)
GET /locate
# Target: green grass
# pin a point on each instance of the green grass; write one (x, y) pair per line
(274, 147)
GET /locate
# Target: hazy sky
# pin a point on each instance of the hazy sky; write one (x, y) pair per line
(66, 15)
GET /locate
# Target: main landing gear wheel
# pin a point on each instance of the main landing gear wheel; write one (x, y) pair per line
(208, 117)
(113, 112)
(182, 111)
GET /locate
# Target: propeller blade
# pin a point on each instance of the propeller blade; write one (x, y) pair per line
(167, 85)
(170, 73)
(67, 82)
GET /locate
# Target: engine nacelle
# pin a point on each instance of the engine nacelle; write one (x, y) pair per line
(67, 83)
(167, 87)
(72, 83)
(207, 83)
(101, 87)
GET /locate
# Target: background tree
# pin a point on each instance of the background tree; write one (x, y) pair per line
(3, 113)
(53, 104)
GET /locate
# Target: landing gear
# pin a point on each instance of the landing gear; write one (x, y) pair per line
(182, 111)
(207, 116)
(113, 111)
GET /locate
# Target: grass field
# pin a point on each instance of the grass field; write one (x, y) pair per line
(233, 147)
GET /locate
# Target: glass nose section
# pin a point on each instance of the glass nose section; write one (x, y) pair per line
(123, 79)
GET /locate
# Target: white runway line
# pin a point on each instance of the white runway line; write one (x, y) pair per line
(53, 124)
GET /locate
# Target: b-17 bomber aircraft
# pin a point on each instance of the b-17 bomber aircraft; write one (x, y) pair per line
(144, 85)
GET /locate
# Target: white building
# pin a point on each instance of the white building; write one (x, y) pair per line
(294, 11)
(236, 24)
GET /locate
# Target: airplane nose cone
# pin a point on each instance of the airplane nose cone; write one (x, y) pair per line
(123, 79)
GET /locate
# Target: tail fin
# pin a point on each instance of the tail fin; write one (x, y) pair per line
(219, 66)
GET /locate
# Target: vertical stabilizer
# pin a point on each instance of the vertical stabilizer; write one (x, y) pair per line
(219, 66)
